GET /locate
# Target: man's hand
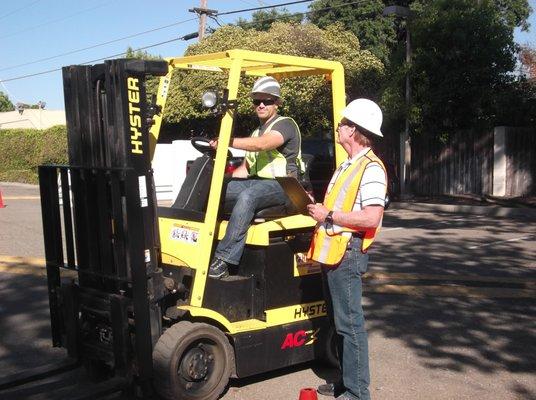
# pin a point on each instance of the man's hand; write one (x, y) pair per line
(318, 211)
(213, 143)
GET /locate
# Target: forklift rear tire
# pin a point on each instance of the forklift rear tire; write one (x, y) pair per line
(97, 370)
(192, 361)
(331, 354)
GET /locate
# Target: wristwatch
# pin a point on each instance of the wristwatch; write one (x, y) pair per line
(329, 218)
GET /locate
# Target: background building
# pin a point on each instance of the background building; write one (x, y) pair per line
(31, 118)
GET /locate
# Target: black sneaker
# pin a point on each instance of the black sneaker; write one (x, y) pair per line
(218, 269)
(330, 389)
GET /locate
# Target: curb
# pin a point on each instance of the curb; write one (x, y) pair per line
(22, 185)
(491, 211)
(528, 213)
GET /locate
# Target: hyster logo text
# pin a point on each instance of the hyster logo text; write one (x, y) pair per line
(300, 338)
(133, 86)
(310, 310)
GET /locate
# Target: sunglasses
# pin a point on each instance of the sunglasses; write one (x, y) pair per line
(348, 124)
(266, 102)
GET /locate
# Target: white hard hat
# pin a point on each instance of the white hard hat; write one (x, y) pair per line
(267, 85)
(366, 114)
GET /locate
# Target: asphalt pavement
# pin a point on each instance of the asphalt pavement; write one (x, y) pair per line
(449, 301)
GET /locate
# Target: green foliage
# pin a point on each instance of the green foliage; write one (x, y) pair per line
(308, 99)
(516, 106)
(262, 20)
(5, 103)
(364, 20)
(23, 150)
(152, 82)
(513, 12)
(463, 54)
(141, 54)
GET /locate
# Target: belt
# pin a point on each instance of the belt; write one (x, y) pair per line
(355, 235)
(358, 235)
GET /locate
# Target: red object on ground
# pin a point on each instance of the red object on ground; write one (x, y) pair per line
(2, 205)
(308, 394)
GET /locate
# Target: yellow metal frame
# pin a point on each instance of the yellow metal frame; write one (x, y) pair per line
(196, 255)
(274, 317)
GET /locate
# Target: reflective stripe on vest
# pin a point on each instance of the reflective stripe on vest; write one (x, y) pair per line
(271, 163)
(329, 243)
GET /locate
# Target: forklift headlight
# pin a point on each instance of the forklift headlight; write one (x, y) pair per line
(209, 99)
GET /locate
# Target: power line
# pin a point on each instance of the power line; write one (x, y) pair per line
(299, 13)
(96, 45)
(186, 37)
(139, 34)
(263, 7)
(19, 9)
(8, 92)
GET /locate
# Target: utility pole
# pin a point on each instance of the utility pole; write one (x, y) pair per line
(203, 11)
(405, 140)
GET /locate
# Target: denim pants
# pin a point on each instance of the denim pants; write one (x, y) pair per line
(248, 197)
(343, 289)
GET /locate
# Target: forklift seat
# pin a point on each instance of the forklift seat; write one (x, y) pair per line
(193, 195)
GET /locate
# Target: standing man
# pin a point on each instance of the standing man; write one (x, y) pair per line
(348, 221)
(272, 150)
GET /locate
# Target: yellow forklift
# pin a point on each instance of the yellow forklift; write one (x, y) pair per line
(141, 308)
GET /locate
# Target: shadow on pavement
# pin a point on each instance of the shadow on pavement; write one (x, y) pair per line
(458, 333)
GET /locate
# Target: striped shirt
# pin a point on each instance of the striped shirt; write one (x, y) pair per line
(373, 184)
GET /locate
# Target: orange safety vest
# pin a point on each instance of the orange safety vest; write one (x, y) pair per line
(329, 245)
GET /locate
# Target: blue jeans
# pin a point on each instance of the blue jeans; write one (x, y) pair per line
(343, 289)
(248, 197)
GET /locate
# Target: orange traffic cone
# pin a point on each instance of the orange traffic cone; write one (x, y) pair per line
(308, 394)
(2, 205)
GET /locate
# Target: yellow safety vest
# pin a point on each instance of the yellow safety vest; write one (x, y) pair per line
(328, 247)
(271, 163)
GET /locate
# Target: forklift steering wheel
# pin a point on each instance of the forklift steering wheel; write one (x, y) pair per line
(201, 144)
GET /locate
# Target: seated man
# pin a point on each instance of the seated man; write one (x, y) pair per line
(272, 150)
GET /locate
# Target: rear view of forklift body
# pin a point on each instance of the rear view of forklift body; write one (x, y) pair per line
(141, 305)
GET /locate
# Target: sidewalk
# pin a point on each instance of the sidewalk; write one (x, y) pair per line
(517, 207)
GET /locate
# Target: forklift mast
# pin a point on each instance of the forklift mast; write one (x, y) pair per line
(99, 221)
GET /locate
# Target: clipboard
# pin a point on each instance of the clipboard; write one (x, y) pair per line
(296, 193)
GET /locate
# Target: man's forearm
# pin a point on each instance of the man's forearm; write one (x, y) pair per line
(369, 217)
(248, 144)
(268, 141)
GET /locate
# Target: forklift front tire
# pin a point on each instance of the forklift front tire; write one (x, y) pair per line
(192, 361)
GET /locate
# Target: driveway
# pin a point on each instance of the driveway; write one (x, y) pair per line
(449, 301)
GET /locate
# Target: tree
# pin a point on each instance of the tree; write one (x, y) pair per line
(141, 54)
(5, 103)
(460, 58)
(364, 20)
(514, 13)
(308, 99)
(527, 57)
(262, 20)
(463, 53)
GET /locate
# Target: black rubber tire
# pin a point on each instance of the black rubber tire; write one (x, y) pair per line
(176, 346)
(97, 370)
(331, 356)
